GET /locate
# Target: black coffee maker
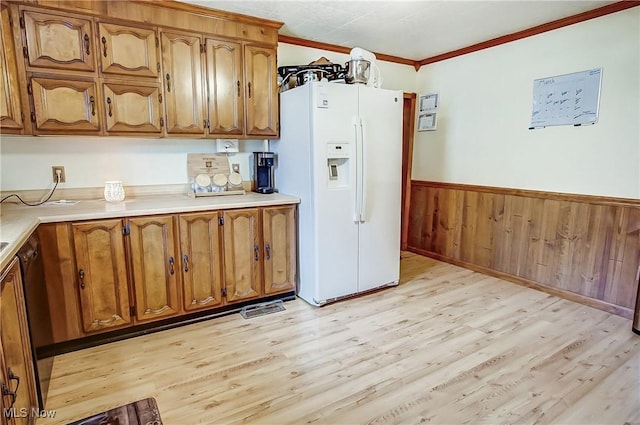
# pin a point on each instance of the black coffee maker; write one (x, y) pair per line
(263, 172)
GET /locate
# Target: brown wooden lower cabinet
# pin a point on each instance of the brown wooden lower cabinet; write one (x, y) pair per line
(242, 257)
(18, 391)
(110, 274)
(102, 274)
(201, 260)
(279, 236)
(155, 267)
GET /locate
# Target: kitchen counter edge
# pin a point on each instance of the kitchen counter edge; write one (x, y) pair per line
(18, 222)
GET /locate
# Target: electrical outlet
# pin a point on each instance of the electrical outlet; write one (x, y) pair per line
(235, 167)
(54, 170)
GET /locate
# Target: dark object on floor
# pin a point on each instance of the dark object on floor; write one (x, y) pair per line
(142, 412)
(261, 309)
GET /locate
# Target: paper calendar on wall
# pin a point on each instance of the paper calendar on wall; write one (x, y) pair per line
(569, 99)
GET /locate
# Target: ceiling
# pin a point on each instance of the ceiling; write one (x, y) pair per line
(412, 30)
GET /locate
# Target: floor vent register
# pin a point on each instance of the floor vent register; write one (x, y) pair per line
(261, 309)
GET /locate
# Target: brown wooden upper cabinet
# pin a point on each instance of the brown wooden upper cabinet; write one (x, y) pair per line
(128, 50)
(132, 107)
(225, 83)
(102, 274)
(59, 42)
(262, 91)
(231, 91)
(152, 78)
(182, 78)
(65, 106)
(11, 118)
(155, 266)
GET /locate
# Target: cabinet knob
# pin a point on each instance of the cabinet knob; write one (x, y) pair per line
(109, 107)
(256, 252)
(185, 259)
(86, 44)
(7, 391)
(92, 101)
(171, 263)
(81, 275)
(168, 77)
(104, 46)
(267, 249)
(238, 85)
(249, 89)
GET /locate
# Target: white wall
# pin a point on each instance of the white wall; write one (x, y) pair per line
(482, 135)
(26, 161)
(90, 161)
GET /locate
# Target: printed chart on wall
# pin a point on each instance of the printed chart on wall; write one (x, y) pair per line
(570, 99)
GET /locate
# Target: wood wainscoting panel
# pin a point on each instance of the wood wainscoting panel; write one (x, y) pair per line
(573, 244)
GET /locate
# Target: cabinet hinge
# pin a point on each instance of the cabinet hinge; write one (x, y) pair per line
(25, 52)
(161, 122)
(29, 89)
(10, 20)
(22, 116)
(33, 116)
(132, 310)
(160, 97)
(158, 66)
(126, 230)
(224, 292)
(221, 221)
(203, 48)
(157, 42)
(21, 22)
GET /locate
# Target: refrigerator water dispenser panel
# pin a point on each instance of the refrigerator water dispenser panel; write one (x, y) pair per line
(338, 165)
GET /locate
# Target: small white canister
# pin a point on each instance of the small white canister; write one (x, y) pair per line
(113, 191)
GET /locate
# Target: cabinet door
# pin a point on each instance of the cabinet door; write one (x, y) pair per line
(5, 398)
(10, 107)
(132, 108)
(58, 42)
(102, 274)
(201, 260)
(16, 345)
(127, 50)
(182, 68)
(65, 105)
(155, 267)
(225, 87)
(279, 236)
(241, 244)
(262, 91)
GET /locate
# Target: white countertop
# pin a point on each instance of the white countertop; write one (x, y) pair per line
(17, 222)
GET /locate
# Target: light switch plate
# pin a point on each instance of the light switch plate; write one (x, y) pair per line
(227, 145)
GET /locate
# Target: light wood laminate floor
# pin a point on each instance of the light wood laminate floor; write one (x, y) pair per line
(447, 346)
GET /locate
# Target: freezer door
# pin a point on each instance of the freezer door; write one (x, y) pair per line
(333, 109)
(379, 232)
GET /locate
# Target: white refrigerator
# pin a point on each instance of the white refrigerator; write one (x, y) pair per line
(340, 152)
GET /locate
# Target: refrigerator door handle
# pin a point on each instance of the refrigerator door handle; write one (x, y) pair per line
(356, 212)
(363, 178)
